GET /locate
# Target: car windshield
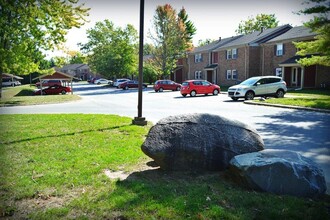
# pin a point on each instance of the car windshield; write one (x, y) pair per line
(249, 82)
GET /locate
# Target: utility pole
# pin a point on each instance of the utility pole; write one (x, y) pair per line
(139, 120)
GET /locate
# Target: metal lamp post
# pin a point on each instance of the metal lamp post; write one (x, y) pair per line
(139, 120)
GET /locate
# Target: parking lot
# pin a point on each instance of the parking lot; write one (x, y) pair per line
(303, 131)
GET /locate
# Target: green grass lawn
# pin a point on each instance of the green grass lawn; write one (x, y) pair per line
(304, 98)
(53, 167)
(23, 95)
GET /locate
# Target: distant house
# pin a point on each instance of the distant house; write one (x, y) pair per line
(241, 59)
(81, 71)
(279, 58)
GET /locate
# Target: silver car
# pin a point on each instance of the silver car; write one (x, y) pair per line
(258, 86)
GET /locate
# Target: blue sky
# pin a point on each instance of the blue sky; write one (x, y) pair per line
(212, 18)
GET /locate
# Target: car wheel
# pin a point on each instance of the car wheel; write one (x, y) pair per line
(235, 99)
(144, 87)
(178, 88)
(249, 95)
(44, 93)
(184, 95)
(193, 93)
(161, 89)
(63, 92)
(126, 88)
(215, 92)
(279, 93)
(98, 83)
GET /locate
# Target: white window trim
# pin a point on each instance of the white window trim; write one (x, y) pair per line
(198, 75)
(228, 75)
(279, 49)
(278, 71)
(198, 57)
(234, 55)
(229, 55)
(234, 72)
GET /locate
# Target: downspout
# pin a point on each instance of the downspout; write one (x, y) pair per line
(302, 77)
(245, 61)
(263, 60)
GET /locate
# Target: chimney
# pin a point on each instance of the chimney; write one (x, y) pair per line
(262, 29)
(219, 39)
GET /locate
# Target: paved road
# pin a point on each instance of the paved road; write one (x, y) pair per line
(298, 130)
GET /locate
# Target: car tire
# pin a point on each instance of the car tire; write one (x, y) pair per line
(234, 99)
(126, 88)
(161, 90)
(249, 95)
(193, 93)
(184, 95)
(279, 93)
(44, 93)
(63, 92)
(178, 88)
(98, 83)
(215, 92)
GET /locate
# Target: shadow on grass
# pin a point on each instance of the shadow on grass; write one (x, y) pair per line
(65, 134)
(25, 92)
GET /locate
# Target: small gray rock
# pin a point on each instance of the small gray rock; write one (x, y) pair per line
(199, 142)
(278, 171)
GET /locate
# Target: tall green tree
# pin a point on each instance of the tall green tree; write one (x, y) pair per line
(113, 51)
(190, 29)
(171, 38)
(30, 26)
(257, 23)
(320, 24)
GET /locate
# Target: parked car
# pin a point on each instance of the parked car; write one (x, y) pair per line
(51, 82)
(53, 90)
(103, 81)
(258, 86)
(161, 85)
(10, 83)
(120, 81)
(194, 87)
(131, 84)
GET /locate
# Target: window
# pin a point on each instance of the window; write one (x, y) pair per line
(228, 74)
(279, 49)
(198, 75)
(278, 72)
(231, 54)
(228, 54)
(234, 74)
(234, 53)
(198, 58)
(231, 75)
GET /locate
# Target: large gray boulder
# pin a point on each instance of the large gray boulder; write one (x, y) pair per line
(278, 171)
(199, 142)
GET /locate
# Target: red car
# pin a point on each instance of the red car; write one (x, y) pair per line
(53, 90)
(51, 82)
(194, 87)
(131, 84)
(161, 85)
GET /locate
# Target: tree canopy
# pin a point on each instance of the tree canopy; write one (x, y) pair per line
(30, 26)
(112, 51)
(320, 24)
(256, 23)
(173, 36)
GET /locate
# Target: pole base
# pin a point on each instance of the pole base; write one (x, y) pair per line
(141, 121)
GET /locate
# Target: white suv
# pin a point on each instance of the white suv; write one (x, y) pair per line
(119, 81)
(258, 86)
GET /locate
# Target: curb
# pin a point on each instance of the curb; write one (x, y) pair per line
(287, 106)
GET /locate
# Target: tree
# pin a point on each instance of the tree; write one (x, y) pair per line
(257, 23)
(113, 51)
(171, 37)
(30, 26)
(321, 25)
(190, 29)
(204, 42)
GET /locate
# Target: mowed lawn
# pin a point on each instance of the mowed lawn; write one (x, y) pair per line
(304, 98)
(58, 166)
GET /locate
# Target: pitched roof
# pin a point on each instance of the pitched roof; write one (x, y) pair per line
(72, 66)
(258, 37)
(215, 44)
(8, 75)
(294, 33)
(55, 75)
